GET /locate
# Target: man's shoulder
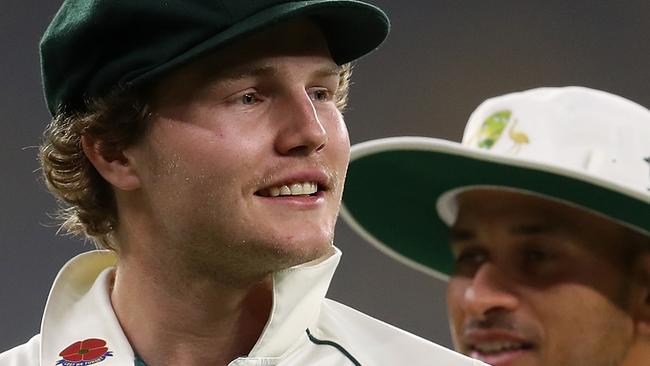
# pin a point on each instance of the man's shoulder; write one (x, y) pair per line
(380, 343)
(26, 354)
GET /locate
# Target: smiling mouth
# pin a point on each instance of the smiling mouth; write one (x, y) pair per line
(293, 189)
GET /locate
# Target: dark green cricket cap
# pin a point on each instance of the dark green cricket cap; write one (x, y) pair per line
(94, 46)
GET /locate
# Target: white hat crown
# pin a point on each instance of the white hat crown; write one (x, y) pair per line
(587, 131)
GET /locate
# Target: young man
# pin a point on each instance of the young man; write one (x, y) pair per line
(202, 142)
(539, 220)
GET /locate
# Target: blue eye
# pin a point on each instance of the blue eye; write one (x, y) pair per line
(321, 95)
(248, 99)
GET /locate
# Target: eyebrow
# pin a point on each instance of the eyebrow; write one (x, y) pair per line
(460, 234)
(457, 234)
(243, 72)
(326, 71)
(534, 229)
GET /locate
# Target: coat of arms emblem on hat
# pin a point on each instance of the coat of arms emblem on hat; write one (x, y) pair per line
(494, 126)
(87, 352)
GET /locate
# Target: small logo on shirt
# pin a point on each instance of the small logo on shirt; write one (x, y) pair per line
(86, 352)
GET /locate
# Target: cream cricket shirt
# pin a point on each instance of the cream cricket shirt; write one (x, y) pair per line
(79, 326)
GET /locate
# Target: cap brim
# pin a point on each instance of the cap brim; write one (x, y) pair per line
(352, 29)
(393, 186)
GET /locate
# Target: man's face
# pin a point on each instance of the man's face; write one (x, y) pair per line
(242, 167)
(538, 283)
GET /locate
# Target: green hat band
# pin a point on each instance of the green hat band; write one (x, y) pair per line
(393, 185)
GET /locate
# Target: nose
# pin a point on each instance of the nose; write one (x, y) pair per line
(490, 291)
(302, 132)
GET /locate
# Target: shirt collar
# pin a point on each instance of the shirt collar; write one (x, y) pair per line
(297, 295)
(79, 308)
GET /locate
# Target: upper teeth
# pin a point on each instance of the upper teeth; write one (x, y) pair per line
(493, 347)
(294, 189)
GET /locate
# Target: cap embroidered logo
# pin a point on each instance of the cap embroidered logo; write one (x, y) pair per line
(491, 129)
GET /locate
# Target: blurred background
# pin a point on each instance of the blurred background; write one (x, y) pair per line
(442, 59)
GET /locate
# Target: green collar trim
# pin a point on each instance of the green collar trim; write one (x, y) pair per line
(139, 362)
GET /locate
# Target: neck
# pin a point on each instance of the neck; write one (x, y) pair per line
(194, 321)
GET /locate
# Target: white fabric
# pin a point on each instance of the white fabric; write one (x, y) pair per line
(577, 128)
(601, 136)
(79, 308)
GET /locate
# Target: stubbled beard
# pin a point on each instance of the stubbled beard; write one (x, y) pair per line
(242, 263)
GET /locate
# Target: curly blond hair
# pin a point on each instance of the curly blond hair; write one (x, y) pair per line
(88, 206)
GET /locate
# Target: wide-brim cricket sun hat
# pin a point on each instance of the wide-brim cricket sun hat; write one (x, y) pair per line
(583, 147)
(94, 46)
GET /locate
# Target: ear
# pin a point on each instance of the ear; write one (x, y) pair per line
(114, 166)
(643, 304)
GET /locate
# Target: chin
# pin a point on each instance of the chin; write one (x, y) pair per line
(303, 235)
(298, 250)
(305, 251)
(276, 247)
